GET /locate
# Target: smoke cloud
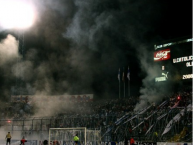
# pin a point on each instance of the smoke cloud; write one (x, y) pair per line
(150, 93)
(8, 50)
(97, 23)
(74, 47)
(77, 47)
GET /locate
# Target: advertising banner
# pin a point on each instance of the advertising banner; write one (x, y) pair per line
(174, 143)
(145, 143)
(29, 98)
(162, 55)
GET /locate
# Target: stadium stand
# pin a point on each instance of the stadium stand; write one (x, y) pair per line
(171, 119)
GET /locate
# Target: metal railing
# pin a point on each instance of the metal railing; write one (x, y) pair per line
(40, 125)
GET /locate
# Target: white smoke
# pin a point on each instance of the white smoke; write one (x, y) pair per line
(150, 93)
(23, 70)
(8, 50)
(47, 105)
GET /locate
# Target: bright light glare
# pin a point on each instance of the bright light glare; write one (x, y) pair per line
(16, 14)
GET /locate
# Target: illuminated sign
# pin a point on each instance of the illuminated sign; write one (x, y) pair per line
(164, 77)
(182, 59)
(176, 58)
(160, 79)
(172, 43)
(189, 64)
(162, 55)
(188, 76)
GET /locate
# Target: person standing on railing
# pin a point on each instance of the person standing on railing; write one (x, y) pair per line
(76, 139)
(132, 142)
(45, 142)
(155, 136)
(126, 140)
(8, 138)
(23, 140)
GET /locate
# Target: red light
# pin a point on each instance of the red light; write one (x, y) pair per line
(178, 98)
(9, 121)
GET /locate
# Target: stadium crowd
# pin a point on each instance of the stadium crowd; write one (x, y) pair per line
(105, 113)
(101, 108)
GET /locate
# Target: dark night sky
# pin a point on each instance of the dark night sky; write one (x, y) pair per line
(77, 47)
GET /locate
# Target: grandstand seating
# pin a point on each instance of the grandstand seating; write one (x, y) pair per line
(114, 115)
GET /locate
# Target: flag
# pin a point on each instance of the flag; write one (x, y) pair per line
(175, 105)
(174, 120)
(119, 75)
(168, 127)
(149, 129)
(128, 74)
(123, 77)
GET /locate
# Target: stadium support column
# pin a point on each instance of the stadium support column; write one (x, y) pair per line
(85, 136)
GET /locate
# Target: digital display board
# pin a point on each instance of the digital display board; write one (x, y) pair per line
(175, 61)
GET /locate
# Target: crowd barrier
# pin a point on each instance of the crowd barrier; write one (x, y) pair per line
(36, 142)
(174, 143)
(18, 142)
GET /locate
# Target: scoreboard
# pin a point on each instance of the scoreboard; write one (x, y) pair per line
(175, 61)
